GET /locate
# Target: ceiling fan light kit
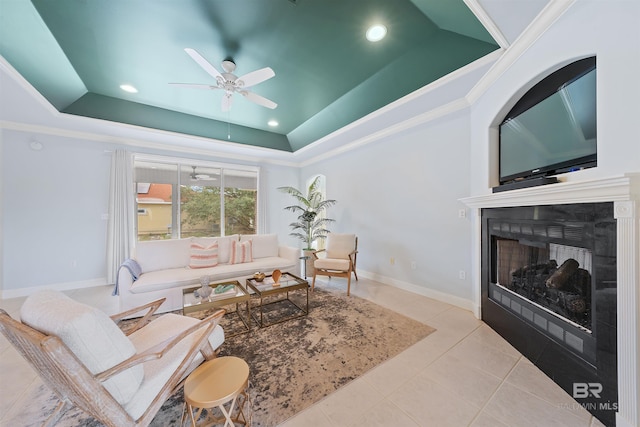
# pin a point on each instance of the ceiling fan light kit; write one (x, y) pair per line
(229, 82)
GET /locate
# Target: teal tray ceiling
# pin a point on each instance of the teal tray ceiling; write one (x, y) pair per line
(327, 75)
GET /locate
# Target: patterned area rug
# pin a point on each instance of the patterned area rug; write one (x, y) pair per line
(293, 364)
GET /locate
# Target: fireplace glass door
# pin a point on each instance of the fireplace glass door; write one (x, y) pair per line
(555, 277)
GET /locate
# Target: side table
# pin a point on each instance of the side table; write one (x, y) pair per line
(216, 383)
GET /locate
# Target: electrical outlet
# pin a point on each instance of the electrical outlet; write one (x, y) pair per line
(462, 213)
(462, 274)
(392, 261)
(413, 265)
(74, 263)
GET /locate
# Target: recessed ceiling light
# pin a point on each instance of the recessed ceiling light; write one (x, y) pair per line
(273, 123)
(129, 88)
(376, 32)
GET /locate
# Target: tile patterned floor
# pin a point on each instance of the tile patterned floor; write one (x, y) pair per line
(464, 374)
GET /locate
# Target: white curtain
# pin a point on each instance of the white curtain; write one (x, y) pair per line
(121, 220)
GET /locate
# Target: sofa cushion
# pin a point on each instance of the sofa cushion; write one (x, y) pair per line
(263, 245)
(203, 257)
(161, 254)
(183, 277)
(241, 252)
(89, 333)
(224, 245)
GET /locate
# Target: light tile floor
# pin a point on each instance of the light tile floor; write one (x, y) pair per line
(464, 374)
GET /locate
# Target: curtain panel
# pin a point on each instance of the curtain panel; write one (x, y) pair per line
(121, 208)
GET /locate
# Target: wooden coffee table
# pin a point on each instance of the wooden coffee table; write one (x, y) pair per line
(266, 289)
(239, 295)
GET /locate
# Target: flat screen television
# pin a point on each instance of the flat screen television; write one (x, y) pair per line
(553, 127)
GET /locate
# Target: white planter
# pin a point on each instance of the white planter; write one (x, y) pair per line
(309, 269)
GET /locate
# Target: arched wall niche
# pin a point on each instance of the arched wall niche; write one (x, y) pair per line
(518, 93)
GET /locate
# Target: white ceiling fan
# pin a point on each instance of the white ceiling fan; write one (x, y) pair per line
(230, 83)
(200, 176)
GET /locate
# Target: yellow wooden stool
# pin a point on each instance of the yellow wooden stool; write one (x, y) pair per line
(216, 383)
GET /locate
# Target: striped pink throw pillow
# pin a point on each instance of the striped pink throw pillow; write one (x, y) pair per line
(241, 252)
(202, 257)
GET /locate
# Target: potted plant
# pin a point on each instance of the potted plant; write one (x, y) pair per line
(311, 225)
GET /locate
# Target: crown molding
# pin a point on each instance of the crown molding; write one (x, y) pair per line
(487, 22)
(428, 116)
(552, 11)
(259, 155)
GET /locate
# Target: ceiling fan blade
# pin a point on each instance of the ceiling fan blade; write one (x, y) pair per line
(195, 85)
(255, 77)
(227, 100)
(204, 64)
(260, 100)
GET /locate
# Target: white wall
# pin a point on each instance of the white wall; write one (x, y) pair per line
(54, 233)
(277, 218)
(607, 29)
(399, 195)
(52, 206)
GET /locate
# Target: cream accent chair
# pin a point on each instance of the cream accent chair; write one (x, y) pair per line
(87, 361)
(340, 260)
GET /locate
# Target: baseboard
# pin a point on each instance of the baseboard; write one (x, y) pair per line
(421, 290)
(65, 286)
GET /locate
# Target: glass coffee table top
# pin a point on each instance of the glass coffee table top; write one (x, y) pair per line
(268, 286)
(235, 295)
(272, 294)
(191, 302)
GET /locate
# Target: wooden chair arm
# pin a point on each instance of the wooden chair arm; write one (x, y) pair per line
(151, 308)
(315, 253)
(160, 349)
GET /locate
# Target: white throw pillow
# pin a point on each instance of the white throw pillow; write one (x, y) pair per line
(241, 252)
(203, 257)
(224, 245)
(90, 334)
(263, 245)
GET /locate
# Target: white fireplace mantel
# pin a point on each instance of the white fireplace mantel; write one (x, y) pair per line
(624, 191)
(620, 188)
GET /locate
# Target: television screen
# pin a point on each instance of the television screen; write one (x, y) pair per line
(555, 133)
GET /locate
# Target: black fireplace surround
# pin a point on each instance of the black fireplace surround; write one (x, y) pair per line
(549, 288)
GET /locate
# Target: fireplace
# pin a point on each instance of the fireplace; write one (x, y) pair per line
(549, 287)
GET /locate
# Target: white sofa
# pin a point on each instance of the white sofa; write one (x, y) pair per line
(165, 267)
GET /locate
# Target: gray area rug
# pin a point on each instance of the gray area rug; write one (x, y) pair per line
(293, 364)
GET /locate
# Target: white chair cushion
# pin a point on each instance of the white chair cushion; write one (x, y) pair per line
(332, 264)
(162, 254)
(263, 245)
(158, 372)
(340, 245)
(89, 333)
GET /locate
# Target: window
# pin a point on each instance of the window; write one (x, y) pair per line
(177, 198)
